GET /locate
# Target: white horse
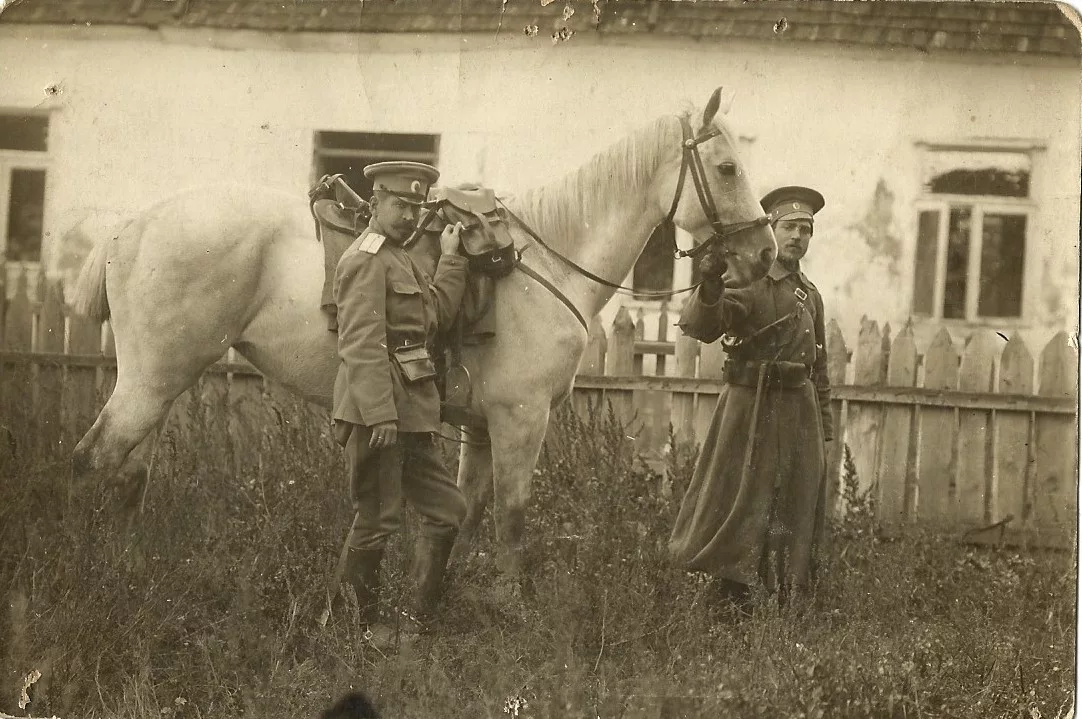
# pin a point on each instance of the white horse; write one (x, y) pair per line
(240, 267)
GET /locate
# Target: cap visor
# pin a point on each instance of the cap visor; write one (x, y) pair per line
(798, 215)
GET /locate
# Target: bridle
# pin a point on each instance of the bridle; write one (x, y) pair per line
(691, 159)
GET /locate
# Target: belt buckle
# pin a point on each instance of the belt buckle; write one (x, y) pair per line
(800, 294)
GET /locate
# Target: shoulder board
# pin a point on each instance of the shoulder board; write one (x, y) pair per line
(370, 243)
(807, 282)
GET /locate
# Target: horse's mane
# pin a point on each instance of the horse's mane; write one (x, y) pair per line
(560, 208)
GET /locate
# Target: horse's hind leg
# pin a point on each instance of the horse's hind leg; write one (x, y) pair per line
(125, 424)
(123, 441)
(137, 469)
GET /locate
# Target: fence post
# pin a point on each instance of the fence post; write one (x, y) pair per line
(19, 318)
(895, 464)
(637, 359)
(662, 336)
(973, 499)
(593, 358)
(864, 420)
(1056, 458)
(49, 386)
(16, 380)
(938, 431)
(1013, 436)
(837, 362)
(660, 401)
(683, 405)
(620, 361)
(592, 363)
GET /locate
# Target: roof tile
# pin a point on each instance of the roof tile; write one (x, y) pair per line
(1018, 27)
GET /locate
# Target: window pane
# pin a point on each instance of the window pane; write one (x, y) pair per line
(353, 170)
(1001, 174)
(395, 141)
(954, 294)
(1003, 248)
(654, 268)
(924, 266)
(24, 132)
(25, 215)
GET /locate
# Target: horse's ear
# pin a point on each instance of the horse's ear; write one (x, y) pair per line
(726, 102)
(712, 106)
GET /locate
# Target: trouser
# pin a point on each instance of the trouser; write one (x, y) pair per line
(412, 470)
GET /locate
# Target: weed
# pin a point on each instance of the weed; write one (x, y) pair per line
(210, 609)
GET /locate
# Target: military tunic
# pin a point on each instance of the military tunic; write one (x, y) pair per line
(753, 506)
(385, 302)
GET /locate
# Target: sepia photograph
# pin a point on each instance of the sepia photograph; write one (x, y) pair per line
(611, 359)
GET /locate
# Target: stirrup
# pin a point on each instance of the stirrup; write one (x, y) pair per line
(458, 396)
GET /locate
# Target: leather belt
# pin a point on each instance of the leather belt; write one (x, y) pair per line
(396, 341)
(786, 375)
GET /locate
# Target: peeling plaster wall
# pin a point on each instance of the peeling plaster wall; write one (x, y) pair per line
(138, 114)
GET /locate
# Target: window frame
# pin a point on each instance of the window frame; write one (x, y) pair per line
(11, 160)
(321, 153)
(979, 205)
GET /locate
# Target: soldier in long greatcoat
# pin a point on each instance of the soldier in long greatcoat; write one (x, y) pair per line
(753, 508)
(386, 406)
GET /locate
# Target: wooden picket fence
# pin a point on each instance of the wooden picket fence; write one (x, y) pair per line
(973, 437)
(968, 436)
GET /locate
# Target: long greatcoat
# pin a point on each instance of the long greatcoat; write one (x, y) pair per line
(760, 522)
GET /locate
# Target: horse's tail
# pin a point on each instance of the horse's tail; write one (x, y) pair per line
(89, 299)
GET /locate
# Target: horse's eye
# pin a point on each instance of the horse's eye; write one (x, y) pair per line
(727, 168)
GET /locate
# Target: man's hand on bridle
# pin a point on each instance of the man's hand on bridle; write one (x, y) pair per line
(711, 267)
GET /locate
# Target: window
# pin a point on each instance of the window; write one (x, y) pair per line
(348, 153)
(23, 162)
(972, 224)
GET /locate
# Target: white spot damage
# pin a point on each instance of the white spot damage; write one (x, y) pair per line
(28, 681)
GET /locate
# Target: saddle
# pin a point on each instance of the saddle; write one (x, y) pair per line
(486, 239)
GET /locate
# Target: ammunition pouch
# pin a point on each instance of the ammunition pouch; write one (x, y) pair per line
(414, 361)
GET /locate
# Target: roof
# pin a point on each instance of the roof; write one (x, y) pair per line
(1014, 28)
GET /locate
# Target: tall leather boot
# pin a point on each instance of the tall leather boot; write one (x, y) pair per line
(431, 567)
(362, 573)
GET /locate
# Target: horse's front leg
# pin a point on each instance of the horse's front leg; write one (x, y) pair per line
(517, 431)
(475, 481)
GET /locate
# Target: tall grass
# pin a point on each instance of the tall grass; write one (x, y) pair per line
(210, 610)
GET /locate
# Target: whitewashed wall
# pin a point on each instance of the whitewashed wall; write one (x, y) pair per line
(141, 113)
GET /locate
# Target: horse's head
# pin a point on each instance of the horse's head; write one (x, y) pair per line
(707, 192)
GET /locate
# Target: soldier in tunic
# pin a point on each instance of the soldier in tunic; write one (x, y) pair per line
(753, 510)
(386, 408)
